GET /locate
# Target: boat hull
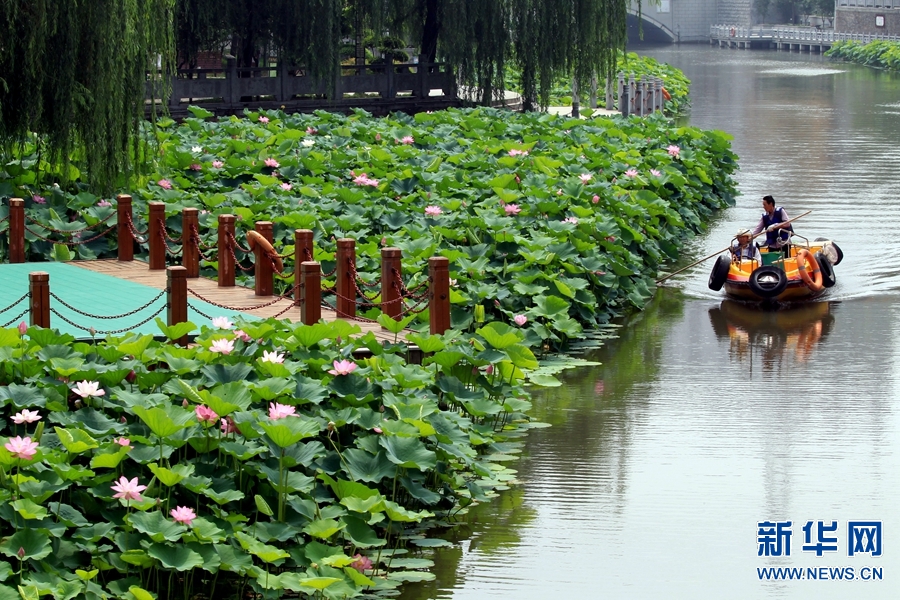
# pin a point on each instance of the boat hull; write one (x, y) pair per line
(738, 284)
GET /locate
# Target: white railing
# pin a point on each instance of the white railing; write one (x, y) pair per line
(794, 34)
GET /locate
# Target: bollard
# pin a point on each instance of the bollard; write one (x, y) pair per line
(303, 252)
(310, 292)
(124, 215)
(39, 287)
(157, 235)
(16, 231)
(176, 299)
(439, 294)
(345, 285)
(190, 241)
(226, 251)
(264, 273)
(391, 271)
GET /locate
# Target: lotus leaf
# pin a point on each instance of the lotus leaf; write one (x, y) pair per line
(408, 452)
(34, 543)
(179, 558)
(155, 525)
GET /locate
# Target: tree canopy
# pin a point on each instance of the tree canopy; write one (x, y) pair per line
(74, 74)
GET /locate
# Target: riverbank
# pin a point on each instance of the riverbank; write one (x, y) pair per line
(878, 54)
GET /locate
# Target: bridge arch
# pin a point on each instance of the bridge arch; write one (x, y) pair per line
(654, 30)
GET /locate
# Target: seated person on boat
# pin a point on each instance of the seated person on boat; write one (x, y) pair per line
(775, 222)
(745, 249)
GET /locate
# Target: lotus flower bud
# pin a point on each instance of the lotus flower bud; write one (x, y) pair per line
(21, 553)
(479, 313)
(185, 403)
(23, 328)
(131, 377)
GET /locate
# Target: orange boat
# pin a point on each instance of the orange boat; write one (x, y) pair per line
(802, 271)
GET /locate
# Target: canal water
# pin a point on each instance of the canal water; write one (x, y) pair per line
(709, 417)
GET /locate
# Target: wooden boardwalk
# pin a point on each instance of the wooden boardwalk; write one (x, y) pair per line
(237, 297)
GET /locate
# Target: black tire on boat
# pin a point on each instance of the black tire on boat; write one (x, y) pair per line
(768, 282)
(837, 250)
(828, 278)
(719, 272)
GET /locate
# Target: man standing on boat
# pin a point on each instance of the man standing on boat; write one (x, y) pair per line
(774, 221)
(744, 249)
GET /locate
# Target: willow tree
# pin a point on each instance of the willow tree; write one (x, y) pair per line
(543, 38)
(74, 76)
(303, 32)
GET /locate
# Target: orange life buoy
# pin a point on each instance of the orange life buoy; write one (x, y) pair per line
(257, 240)
(666, 94)
(814, 283)
(732, 32)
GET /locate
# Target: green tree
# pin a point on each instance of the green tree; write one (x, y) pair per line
(74, 74)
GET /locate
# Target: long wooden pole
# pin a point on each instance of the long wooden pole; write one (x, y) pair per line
(716, 253)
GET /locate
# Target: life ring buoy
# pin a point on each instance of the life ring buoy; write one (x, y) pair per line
(257, 240)
(732, 32)
(814, 283)
(666, 94)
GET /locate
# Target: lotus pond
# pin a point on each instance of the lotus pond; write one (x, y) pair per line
(263, 460)
(555, 224)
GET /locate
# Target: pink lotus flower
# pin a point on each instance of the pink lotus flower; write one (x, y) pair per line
(164, 184)
(23, 328)
(87, 389)
(217, 164)
(222, 346)
(432, 211)
(39, 199)
(183, 514)
(408, 139)
(228, 426)
(377, 429)
(206, 415)
(520, 320)
(272, 357)
(104, 203)
(286, 187)
(655, 173)
(343, 367)
(222, 323)
(311, 131)
(124, 442)
(21, 447)
(26, 416)
(631, 173)
(196, 167)
(377, 137)
(517, 152)
(571, 220)
(361, 563)
(280, 411)
(271, 162)
(585, 177)
(595, 199)
(673, 151)
(240, 334)
(263, 119)
(512, 209)
(489, 370)
(128, 490)
(363, 179)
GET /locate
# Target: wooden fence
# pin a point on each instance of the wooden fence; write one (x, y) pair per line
(392, 297)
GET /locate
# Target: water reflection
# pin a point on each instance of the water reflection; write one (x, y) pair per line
(765, 337)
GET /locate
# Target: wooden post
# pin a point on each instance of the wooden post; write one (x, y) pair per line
(156, 234)
(39, 286)
(310, 292)
(422, 77)
(390, 289)
(190, 241)
(264, 273)
(439, 296)
(16, 231)
(124, 214)
(176, 299)
(231, 76)
(345, 285)
(389, 71)
(303, 252)
(226, 251)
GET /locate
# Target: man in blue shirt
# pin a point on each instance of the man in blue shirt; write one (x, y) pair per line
(774, 221)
